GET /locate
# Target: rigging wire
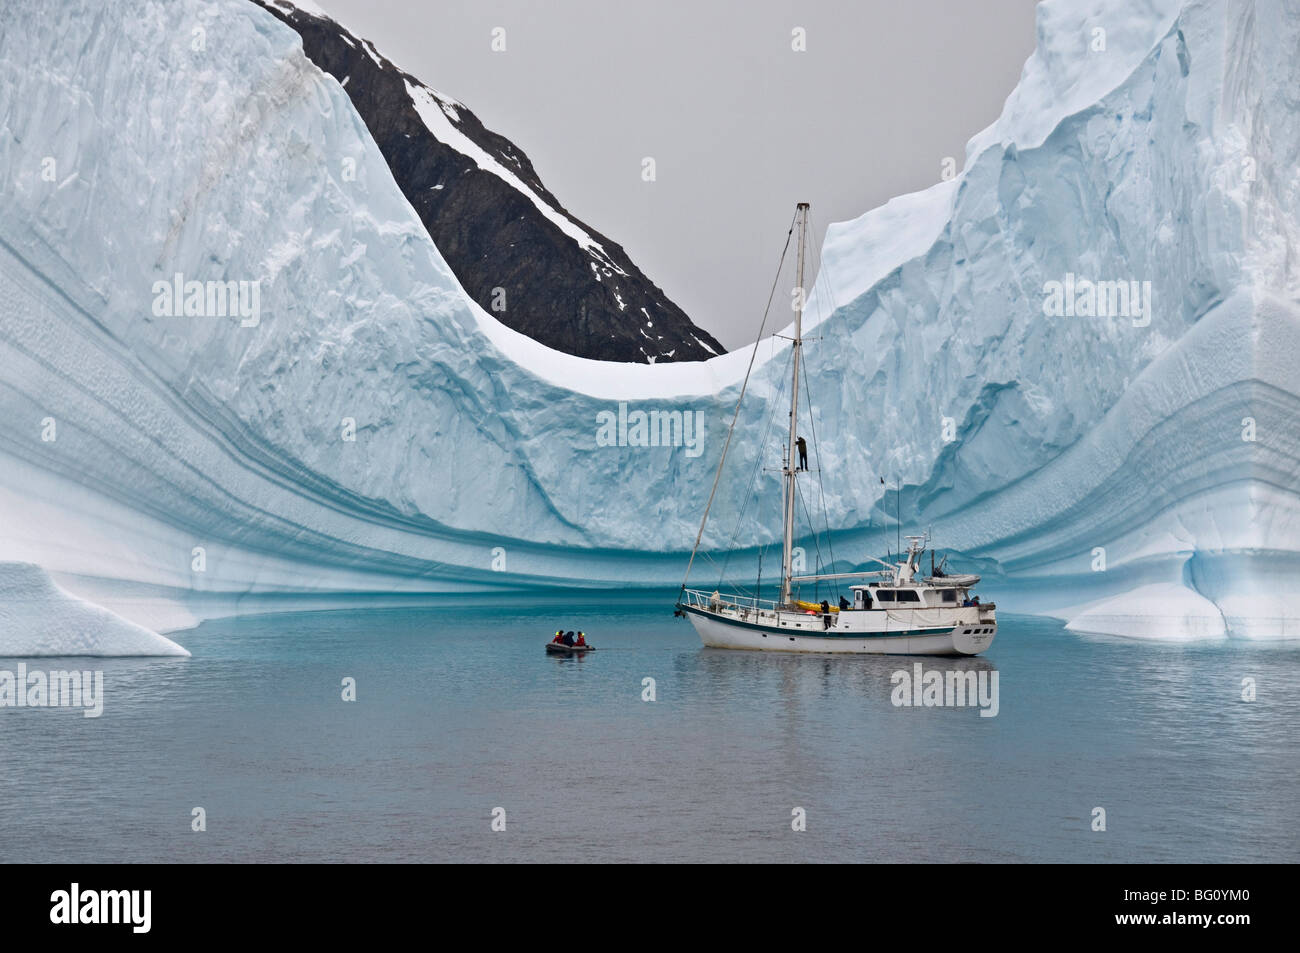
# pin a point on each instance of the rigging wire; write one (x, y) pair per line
(753, 479)
(817, 585)
(736, 414)
(830, 292)
(821, 485)
(821, 278)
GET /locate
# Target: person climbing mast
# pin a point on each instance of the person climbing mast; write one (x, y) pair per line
(894, 609)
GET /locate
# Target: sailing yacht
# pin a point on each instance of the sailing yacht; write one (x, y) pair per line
(902, 612)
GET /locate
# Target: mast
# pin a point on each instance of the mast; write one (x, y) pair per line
(787, 551)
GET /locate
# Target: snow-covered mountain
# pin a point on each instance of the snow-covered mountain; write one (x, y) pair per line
(364, 427)
(511, 244)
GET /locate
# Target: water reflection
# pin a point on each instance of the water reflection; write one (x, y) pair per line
(460, 712)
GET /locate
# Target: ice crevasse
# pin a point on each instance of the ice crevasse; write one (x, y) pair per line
(1134, 474)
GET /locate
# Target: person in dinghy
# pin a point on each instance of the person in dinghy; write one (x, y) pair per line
(566, 643)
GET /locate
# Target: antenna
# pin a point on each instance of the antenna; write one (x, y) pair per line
(898, 518)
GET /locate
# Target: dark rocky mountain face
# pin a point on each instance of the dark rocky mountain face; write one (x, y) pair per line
(513, 247)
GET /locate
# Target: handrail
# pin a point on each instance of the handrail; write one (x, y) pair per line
(704, 599)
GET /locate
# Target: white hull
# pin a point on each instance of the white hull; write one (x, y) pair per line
(960, 638)
(898, 615)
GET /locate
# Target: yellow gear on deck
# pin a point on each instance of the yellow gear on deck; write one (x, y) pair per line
(813, 607)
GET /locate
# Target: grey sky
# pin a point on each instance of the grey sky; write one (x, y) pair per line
(740, 126)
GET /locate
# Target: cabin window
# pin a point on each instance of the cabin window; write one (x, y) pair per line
(950, 595)
(885, 595)
(908, 595)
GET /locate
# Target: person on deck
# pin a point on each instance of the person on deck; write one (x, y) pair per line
(826, 614)
(803, 453)
(844, 603)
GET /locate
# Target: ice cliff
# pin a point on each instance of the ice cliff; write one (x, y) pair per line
(370, 430)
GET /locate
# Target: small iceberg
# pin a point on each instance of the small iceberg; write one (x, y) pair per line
(39, 618)
(1163, 611)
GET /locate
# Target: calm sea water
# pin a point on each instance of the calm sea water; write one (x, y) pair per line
(459, 712)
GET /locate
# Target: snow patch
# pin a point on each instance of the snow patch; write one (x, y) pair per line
(437, 119)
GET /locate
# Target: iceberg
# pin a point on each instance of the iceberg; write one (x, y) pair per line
(37, 618)
(1125, 459)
